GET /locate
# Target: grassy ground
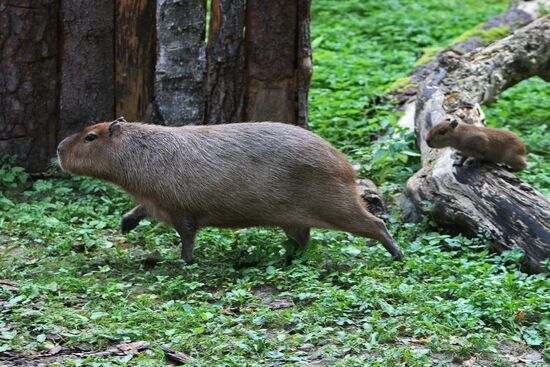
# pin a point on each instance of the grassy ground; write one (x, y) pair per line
(77, 282)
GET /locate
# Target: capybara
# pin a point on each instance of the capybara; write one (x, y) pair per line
(485, 143)
(227, 175)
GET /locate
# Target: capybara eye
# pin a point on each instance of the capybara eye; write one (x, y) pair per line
(442, 132)
(90, 137)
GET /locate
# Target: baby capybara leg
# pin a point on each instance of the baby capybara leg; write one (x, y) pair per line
(518, 163)
(361, 223)
(131, 219)
(298, 237)
(459, 160)
(187, 230)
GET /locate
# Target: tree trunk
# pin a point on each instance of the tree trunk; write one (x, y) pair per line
(225, 62)
(304, 64)
(487, 198)
(87, 64)
(180, 68)
(135, 57)
(28, 83)
(278, 60)
(69, 63)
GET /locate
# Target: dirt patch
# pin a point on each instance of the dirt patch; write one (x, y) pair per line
(512, 354)
(59, 355)
(268, 294)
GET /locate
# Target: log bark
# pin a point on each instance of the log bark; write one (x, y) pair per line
(225, 62)
(278, 60)
(486, 198)
(135, 57)
(28, 80)
(516, 16)
(179, 76)
(87, 64)
(304, 64)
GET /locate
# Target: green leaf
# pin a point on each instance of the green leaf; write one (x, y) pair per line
(41, 338)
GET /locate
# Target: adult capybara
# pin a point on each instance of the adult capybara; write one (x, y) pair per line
(235, 175)
(485, 143)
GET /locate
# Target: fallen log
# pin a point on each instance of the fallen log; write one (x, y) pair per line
(516, 16)
(484, 198)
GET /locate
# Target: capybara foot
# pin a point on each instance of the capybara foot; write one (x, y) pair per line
(127, 223)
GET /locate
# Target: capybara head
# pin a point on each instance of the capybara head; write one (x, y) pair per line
(91, 151)
(442, 135)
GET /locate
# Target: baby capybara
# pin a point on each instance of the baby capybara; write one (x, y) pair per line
(234, 175)
(485, 143)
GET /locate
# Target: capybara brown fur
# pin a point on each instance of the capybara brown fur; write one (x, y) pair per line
(232, 175)
(485, 143)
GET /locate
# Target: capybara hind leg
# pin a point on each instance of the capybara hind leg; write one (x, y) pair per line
(187, 230)
(297, 242)
(131, 219)
(360, 222)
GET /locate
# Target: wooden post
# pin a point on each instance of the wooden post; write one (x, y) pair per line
(87, 64)
(278, 60)
(179, 76)
(225, 62)
(28, 80)
(135, 57)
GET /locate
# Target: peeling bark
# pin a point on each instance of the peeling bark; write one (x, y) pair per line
(181, 63)
(28, 80)
(486, 198)
(135, 57)
(305, 64)
(278, 60)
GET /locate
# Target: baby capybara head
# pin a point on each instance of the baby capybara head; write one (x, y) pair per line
(442, 135)
(91, 151)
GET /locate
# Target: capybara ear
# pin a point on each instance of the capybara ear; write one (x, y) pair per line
(115, 127)
(454, 123)
(121, 119)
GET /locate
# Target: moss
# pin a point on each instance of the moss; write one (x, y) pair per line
(400, 84)
(428, 54)
(493, 34)
(487, 36)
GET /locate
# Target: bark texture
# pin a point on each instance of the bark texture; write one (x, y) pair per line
(225, 62)
(28, 83)
(486, 198)
(305, 64)
(516, 16)
(135, 57)
(277, 54)
(87, 64)
(181, 62)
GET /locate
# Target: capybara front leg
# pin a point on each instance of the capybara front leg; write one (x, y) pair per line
(186, 229)
(459, 162)
(131, 219)
(297, 242)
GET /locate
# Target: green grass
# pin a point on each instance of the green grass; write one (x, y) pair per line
(344, 303)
